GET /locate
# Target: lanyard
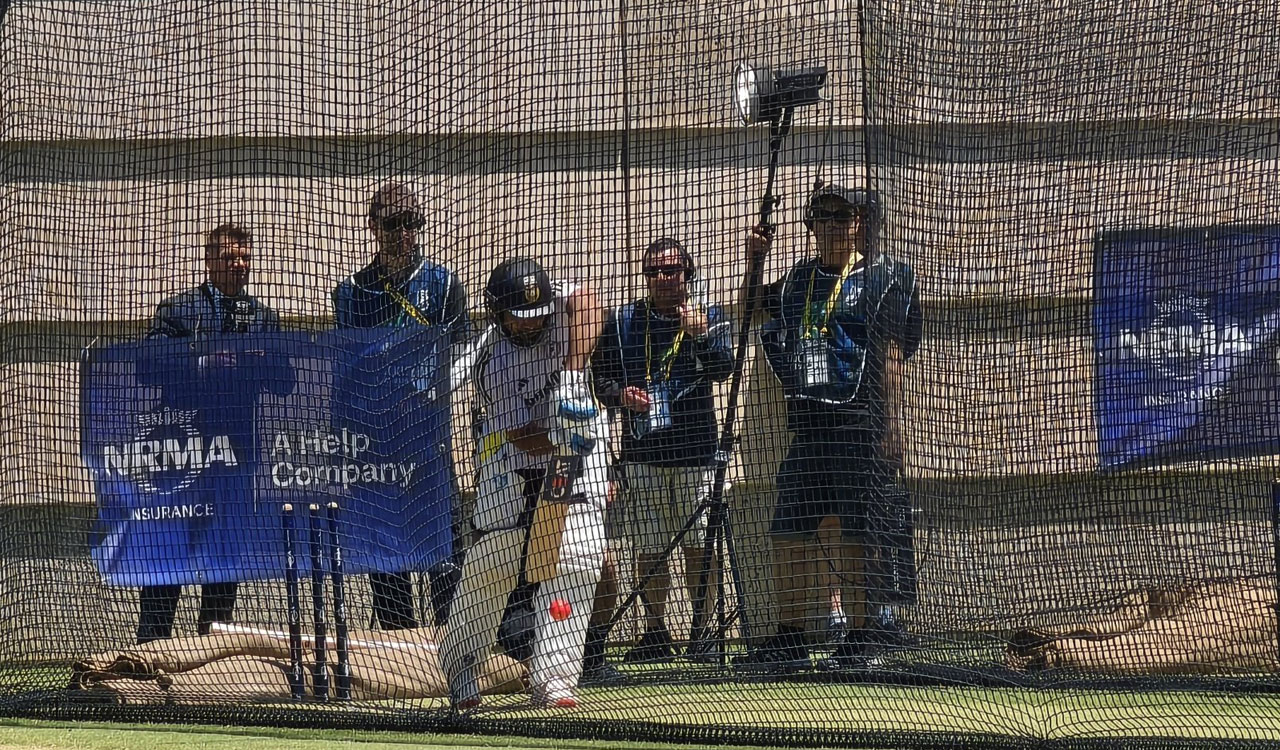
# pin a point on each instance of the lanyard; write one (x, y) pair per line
(806, 323)
(219, 304)
(668, 358)
(408, 306)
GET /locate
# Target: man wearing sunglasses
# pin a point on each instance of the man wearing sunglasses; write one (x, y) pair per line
(843, 322)
(399, 289)
(657, 360)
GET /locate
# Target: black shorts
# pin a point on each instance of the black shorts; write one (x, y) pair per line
(828, 472)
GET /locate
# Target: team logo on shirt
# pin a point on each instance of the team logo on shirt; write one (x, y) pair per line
(531, 292)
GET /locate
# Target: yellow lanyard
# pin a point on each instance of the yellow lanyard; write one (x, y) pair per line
(408, 306)
(806, 322)
(668, 358)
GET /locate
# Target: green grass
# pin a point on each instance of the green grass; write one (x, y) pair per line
(1047, 714)
(1050, 715)
(848, 709)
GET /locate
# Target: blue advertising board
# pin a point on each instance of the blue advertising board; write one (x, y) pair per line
(1187, 338)
(195, 446)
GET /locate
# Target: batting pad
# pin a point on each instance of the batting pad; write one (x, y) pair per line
(559, 643)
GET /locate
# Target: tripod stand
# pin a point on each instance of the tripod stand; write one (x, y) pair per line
(719, 536)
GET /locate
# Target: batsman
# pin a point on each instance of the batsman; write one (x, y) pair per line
(543, 482)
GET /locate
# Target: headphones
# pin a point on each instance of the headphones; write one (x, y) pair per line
(668, 243)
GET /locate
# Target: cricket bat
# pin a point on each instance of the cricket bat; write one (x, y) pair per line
(542, 561)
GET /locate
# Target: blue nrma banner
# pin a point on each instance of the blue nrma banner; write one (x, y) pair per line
(195, 445)
(1187, 344)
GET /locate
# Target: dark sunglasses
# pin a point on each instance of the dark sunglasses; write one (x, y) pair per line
(406, 221)
(842, 215)
(654, 272)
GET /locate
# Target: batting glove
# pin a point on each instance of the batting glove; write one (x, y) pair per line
(575, 429)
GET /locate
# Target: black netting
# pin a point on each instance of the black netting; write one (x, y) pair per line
(1004, 426)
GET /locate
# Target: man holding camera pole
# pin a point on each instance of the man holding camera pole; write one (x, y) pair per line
(400, 288)
(842, 325)
(657, 359)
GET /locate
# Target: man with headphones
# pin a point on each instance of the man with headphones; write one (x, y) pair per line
(530, 369)
(656, 363)
(843, 323)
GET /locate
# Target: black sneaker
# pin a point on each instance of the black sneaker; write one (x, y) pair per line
(887, 636)
(877, 641)
(849, 654)
(1029, 651)
(654, 646)
(601, 674)
(782, 652)
(595, 670)
(703, 652)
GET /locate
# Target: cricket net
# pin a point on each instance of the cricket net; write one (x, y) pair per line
(1084, 194)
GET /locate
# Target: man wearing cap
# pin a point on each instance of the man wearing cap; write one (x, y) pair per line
(843, 323)
(400, 288)
(220, 305)
(656, 363)
(531, 375)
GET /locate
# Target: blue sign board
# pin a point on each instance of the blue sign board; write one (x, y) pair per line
(1187, 340)
(196, 444)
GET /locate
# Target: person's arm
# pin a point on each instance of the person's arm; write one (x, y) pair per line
(573, 405)
(586, 321)
(166, 323)
(913, 317)
(280, 377)
(342, 306)
(891, 445)
(606, 364)
(902, 330)
(714, 349)
(461, 369)
(609, 372)
(531, 438)
(455, 315)
(270, 320)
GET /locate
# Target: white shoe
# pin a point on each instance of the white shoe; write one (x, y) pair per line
(554, 693)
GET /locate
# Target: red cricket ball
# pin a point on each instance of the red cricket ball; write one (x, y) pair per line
(560, 609)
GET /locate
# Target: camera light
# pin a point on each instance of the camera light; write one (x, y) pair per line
(761, 95)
